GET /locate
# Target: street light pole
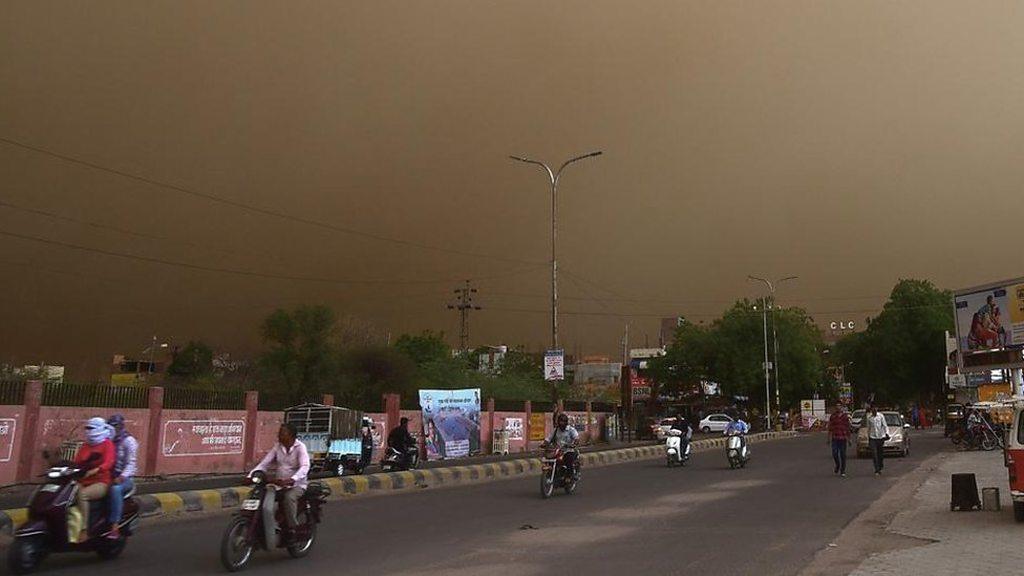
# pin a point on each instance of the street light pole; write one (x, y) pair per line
(767, 389)
(554, 177)
(775, 337)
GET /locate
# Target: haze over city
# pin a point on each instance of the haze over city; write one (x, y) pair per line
(182, 169)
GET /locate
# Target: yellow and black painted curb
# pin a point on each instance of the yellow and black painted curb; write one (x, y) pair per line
(391, 482)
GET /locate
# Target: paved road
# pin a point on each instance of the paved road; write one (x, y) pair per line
(634, 518)
(15, 496)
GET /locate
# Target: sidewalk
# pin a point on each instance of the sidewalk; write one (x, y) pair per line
(984, 543)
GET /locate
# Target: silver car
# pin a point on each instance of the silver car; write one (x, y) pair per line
(898, 430)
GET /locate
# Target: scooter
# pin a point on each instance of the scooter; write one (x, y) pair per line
(736, 451)
(394, 460)
(248, 530)
(52, 515)
(555, 474)
(675, 454)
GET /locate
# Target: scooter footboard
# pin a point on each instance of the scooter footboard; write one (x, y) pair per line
(31, 528)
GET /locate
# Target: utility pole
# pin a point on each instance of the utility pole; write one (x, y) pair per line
(625, 346)
(464, 305)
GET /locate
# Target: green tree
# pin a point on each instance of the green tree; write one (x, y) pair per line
(193, 361)
(424, 348)
(900, 357)
(731, 352)
(301, 358)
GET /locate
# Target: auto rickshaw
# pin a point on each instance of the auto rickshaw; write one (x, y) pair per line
(1013, 456)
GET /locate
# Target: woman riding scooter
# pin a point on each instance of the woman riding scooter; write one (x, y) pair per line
(98, 455)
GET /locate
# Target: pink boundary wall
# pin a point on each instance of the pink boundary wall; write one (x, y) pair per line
(208, 441)
(59, 424)
(10, 442)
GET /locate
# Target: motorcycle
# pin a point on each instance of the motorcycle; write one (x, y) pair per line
(981, 437)
(555, 474)
(674, 451)
(395, 460)
(736, 451)
(248, 531)
(51, 525)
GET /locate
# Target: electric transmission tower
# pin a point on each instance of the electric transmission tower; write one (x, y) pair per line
(464, 304)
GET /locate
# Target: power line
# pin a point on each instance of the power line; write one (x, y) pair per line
(258, 209)
(705, 315)
(118, 229)
(238, 272)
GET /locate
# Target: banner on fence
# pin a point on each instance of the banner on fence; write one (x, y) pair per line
(451, 422)
(514, 427)
(538, 432)
(203, 437)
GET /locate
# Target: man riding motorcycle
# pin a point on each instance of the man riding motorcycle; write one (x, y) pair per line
(566, 437)
(401, 440)
(291, 462)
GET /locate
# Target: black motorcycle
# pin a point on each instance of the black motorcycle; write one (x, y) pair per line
(47, 529)
(246, 532)
(394, 460)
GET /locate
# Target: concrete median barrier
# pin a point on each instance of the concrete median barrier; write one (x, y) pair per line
(395, 482)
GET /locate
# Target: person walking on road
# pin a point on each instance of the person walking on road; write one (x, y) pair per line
(878, 433)
(839, 433)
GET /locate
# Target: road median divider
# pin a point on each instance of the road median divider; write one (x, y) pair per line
(188, 501)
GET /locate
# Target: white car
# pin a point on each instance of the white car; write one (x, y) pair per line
(714, 423)
(661, 429)
(856, 419)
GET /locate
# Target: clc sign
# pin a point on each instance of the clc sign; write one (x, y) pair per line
(842, 325)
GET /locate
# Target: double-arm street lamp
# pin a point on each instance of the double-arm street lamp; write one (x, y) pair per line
(775, 339)
(553, 177)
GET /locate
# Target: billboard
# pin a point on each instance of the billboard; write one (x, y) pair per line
(598, 381)
(451, 422)
(990, 318)
(640, 386)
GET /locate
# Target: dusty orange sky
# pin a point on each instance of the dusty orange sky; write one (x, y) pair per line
(849, 143)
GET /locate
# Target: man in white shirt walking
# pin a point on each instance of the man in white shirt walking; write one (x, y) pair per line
(290, 460)
(878, 433)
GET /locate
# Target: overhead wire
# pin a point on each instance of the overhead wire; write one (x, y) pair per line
(247, 273)
(260, 210)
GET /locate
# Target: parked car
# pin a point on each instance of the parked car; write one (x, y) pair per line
(898, 443)
(856, 418)
(714, 423)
